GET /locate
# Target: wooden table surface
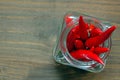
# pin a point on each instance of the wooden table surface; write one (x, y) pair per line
(28, 31)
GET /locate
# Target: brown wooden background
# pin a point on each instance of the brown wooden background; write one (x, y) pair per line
(28, 30)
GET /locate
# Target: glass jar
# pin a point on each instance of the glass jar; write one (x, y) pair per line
(61, 53)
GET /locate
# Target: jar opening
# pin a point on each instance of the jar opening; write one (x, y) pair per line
(63, 39)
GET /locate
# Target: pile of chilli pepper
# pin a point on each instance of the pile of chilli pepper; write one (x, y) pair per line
(84, 40)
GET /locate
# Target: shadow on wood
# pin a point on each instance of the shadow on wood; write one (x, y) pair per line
(71, 73)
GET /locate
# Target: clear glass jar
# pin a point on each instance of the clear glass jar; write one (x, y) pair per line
(61, 53)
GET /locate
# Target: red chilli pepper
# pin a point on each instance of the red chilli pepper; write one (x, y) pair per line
(79, 44)
(68, 19)
(86, 55)
(99, 50)
(95, 32)
(83, 29)
(72, 36)
(92, 48)
(91, 27)
(95, 41)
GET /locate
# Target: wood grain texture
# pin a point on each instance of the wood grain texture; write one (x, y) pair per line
(28, 31)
